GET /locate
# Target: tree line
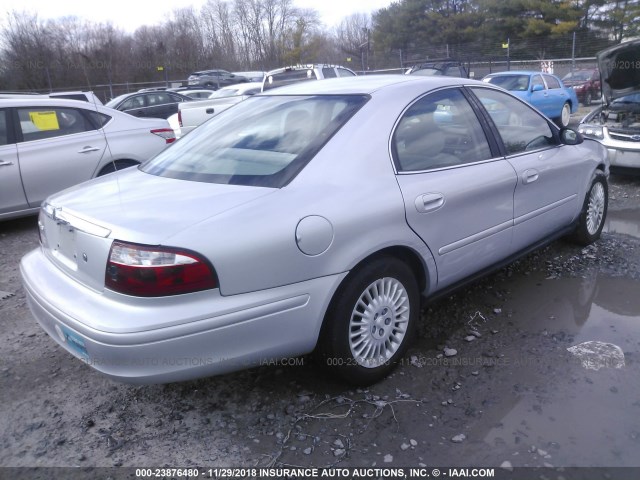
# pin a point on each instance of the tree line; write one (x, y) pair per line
(42, 54)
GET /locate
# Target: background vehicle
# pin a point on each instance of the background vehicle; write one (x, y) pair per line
(156, 104)
(215, 78)
(47, 145)
(442, 67)
(586, 84)
(617, 122)
(252, 76)
(542, 90)
(192, 114)
(270, 244)
(302, 73)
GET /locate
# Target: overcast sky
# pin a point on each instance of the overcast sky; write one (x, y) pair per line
(130, 14)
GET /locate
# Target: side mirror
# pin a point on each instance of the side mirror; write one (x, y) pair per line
(568, 136)
(537, 88)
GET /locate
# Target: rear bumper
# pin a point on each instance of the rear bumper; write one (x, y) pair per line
(194, 335)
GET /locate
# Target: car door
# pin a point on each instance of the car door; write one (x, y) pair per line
(458, 196)
(59, 147)
(558, 96)
(12, 197)
(549, 175)
(540, 98)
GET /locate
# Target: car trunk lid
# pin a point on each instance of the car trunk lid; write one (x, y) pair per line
(78, 225)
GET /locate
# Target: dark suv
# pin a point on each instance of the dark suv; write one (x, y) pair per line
(439, 67)
(214, 79)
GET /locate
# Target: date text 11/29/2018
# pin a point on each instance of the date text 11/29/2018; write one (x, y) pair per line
(347, 473)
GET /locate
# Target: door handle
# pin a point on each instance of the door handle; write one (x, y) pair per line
(529, 176)
(5, 163)
(88, 149)
(429, 202)
(209, 111)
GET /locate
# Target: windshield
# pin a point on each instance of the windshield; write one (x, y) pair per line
(263, 141)
(510, 82)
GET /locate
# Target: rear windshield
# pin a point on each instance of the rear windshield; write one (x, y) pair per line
(262, 141)
(289, 76)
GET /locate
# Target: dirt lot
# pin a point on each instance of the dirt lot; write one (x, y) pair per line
(512, 394)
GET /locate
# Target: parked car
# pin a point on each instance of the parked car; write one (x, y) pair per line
(439, 67)
(302, 73)
(155, 104)
(255, 236)
(215, 78)
(252, 76)
(586, 84)
(542, 90)
(617, 122)
(192, 114)
(47, 145)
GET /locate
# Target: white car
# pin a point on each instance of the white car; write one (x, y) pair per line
(48, 145)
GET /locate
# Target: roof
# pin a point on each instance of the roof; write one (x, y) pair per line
(365, 84)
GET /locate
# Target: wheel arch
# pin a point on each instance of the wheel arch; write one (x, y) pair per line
(401, 252)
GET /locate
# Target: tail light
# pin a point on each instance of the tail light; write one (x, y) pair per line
(180, 118)
(167, 133)
(152, 271)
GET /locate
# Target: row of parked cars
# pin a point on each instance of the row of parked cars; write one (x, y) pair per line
(255, 237)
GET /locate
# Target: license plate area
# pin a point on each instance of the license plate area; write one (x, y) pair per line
(75, 342)
(65, 248)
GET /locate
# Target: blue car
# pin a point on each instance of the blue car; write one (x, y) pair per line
(544, 91)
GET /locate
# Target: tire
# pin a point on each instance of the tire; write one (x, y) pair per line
(594, 211)
(371, 321)
(565, 115)
(117, 165)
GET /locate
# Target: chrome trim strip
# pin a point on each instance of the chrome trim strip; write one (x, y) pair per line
(475, 237)
(540, 211)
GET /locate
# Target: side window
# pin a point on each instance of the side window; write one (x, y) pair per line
(100, 119)
(174, 98)
(343, 72)
(38, 123)
(520, 128)
(328, 72)
(4, 128)
(159, 98)
(439, 130)
(552, 82)
(537, 80)
(133, 102)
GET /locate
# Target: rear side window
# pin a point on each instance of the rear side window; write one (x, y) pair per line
(45, 122)
(328, 72)
(289, 76)
(133, 102)
(99, 119)
(552, 82)
(262, 141)
(343, 72)
(439, 130)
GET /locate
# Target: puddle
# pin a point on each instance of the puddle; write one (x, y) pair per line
(568, 397)
(626, 222)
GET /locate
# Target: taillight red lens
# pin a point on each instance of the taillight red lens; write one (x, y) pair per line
(149, 271)
(167, 133)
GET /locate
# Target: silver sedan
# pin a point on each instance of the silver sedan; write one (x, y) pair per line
(312, 217)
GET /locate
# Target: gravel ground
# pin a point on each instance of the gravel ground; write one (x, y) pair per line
(490, 380)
